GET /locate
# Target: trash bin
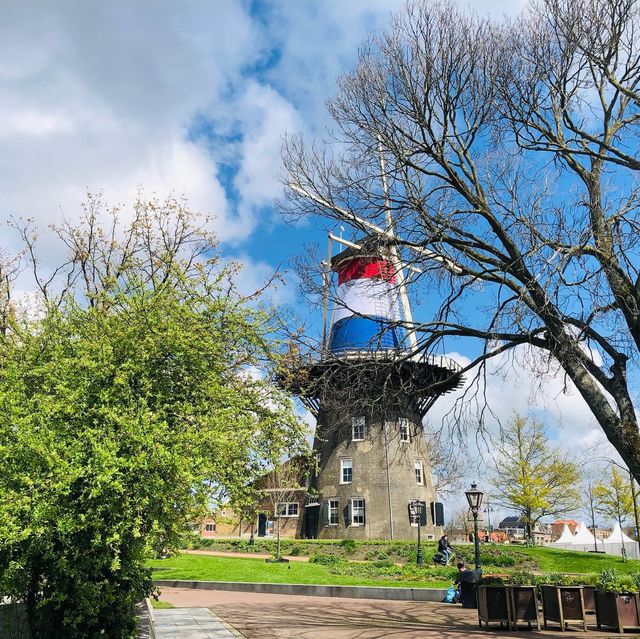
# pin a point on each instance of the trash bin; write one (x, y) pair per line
(468, 581)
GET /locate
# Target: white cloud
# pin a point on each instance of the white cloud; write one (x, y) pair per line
(512, 385)
(255, 275)
(99, 97)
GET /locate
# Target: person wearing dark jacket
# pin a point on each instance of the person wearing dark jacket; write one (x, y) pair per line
(445, 548)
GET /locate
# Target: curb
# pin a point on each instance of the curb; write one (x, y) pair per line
(312, 590)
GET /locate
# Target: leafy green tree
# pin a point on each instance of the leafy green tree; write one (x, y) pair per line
(614, 497)
(532, 477)
(129, 401)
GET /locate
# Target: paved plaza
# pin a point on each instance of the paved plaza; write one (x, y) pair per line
(191, 623)
(266, 616)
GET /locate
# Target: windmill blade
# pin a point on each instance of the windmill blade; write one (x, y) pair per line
(358, 221)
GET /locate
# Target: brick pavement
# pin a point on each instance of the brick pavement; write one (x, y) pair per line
(266, 616)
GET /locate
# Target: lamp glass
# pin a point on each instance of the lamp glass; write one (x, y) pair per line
(474, 497)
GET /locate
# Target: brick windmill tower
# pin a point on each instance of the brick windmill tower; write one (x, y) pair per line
(369, 393)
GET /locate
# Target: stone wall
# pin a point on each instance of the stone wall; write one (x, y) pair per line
(383, 475)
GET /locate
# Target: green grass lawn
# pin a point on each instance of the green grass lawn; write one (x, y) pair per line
(566, 561)
(537, 559)
(203, 568)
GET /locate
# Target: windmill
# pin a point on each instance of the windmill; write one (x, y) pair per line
(369, 389)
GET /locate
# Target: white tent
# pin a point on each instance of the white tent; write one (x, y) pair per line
(584, 539)
(565, 538)
(617, 540)
(617, 536)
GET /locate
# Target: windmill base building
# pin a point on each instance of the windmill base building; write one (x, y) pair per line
(369, 393)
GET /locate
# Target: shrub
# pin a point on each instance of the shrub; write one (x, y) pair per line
(324, 559)
(611, 581)
(502, 559)
(387, 570)
(348, 545)
(491, 581)
(590, 579)
(523, 578)
(553, 579)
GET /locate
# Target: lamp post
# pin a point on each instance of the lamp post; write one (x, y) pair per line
(416, 507)
(488, 510)
(474, 498)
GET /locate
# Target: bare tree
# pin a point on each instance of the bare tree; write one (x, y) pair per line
(9, 270)
(447, 464)
(510, 162)
(460, 525)
(283, 488)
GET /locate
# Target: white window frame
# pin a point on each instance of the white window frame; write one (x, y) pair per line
(418, 467)
(209, 527)
(289, 507)
(361, 512)
(346, 463)
(334, 510)
(358, 429)
(403, 429)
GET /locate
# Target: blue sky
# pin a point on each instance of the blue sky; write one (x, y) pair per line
(194, 97)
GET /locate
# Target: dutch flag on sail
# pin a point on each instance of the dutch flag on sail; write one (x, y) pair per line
(367, 311)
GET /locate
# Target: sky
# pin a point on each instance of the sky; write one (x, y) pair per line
(194, 98)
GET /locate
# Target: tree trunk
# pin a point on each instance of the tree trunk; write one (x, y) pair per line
(634, 496)
(623, 549)
(278, 542)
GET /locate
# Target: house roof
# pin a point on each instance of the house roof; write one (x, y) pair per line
(513, 521)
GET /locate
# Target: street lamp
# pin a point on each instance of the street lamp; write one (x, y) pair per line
(474, 497)
(417, 514)
(487, 509)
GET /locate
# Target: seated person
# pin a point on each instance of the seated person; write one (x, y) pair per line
(445, 548)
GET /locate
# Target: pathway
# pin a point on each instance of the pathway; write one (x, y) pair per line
(267, 616)
(191, 623)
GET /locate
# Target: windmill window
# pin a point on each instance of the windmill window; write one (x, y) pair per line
(419, 472)
(346, 471)
(333, 512)
(357, 512)
(357, 429)
(403, 425)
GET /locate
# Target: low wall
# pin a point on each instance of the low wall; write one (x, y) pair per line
(312, 590)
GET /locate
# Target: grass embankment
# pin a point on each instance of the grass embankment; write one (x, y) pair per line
(377, 563)
(495, 557)
(205, 568)
(565, 561)
(334, 569)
